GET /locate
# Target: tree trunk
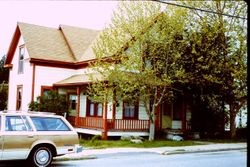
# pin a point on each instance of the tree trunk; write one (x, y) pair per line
(232, 122)
(151, 131)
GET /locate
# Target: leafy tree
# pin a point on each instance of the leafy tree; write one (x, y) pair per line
(227, 63)
(51, 102)
(3, 96)
(153, 54)
(200, 61)
(138, 56)
(4, 73)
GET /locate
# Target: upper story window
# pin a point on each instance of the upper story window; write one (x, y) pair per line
(21, 59)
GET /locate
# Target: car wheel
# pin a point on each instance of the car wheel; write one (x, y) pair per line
(41, 157)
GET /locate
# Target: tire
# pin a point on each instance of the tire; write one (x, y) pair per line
(41, 157)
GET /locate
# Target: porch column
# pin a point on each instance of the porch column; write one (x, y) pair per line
(183, 116)
(105, 123)
(157, 118)
(114, 114)
(78, 92)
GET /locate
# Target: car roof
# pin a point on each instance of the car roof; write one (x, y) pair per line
(30, 113)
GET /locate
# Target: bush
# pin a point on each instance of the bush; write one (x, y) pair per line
(3, 96)
(241, 133)
(51, 102)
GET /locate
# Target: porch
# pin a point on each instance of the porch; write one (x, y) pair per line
(112, 127)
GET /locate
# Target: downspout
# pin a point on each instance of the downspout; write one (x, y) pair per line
(33, 82)
(78, 104)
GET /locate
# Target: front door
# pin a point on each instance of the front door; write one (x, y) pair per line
(166, 115)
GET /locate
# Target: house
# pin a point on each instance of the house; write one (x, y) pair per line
(40, 59)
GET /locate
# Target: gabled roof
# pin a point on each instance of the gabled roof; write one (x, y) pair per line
(79, 79)
(45, 43)
(79, 40)
(66, 44)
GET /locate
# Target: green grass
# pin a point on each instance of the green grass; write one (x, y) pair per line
(146, 144)
(224, 140)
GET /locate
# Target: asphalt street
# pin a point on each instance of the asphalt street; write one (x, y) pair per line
(233, 158)
(208, 155)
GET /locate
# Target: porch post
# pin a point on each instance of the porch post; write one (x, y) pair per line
(183, 113)
(105, 123)
(157, 118)
(78, 92)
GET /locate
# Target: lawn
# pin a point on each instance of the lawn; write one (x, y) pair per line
(95, 142)
(146, 144)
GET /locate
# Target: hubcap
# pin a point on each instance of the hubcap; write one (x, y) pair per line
(42, 157)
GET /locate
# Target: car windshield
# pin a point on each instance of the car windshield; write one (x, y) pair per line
(49, 124)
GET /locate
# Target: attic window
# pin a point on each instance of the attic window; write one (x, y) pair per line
(21, 59)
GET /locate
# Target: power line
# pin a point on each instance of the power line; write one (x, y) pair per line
(202, 10)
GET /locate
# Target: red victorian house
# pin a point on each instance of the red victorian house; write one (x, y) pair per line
(42, 58)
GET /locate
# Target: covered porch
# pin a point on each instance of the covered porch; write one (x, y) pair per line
(110, 119)
(109, 127)
(92, 118)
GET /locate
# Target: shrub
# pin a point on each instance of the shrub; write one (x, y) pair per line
(51, 102)
(3, 96)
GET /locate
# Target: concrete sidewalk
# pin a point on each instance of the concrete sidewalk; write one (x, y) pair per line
(211, 147)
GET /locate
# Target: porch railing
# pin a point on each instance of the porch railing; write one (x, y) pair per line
(121, 124)
(117, 124)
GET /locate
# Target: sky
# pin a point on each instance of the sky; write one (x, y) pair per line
(86, 14)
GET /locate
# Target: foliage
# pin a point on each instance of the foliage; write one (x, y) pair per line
(3, 96)
(151, 55)
(4, 72)
(142, 62)
(219, 56)
(51, 102)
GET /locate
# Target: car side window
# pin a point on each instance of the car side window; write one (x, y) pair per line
(49, 124)
(17, 123)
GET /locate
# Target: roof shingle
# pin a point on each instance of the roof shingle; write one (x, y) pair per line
(67, 44)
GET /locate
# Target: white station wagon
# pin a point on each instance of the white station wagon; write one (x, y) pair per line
(36, 136)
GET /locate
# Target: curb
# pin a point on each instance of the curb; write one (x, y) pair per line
(199, 151)
(72, 158)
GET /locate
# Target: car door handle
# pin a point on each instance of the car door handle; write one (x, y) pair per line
(30, 136)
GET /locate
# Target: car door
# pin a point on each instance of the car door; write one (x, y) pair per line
(18, 138)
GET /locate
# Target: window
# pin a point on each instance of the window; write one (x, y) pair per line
(21, 59)
(49, 124)
(19, 97)
(72, 101)
(130, 111)
(17, 123)
(45, 90)
(72, 104)
(94, 109)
